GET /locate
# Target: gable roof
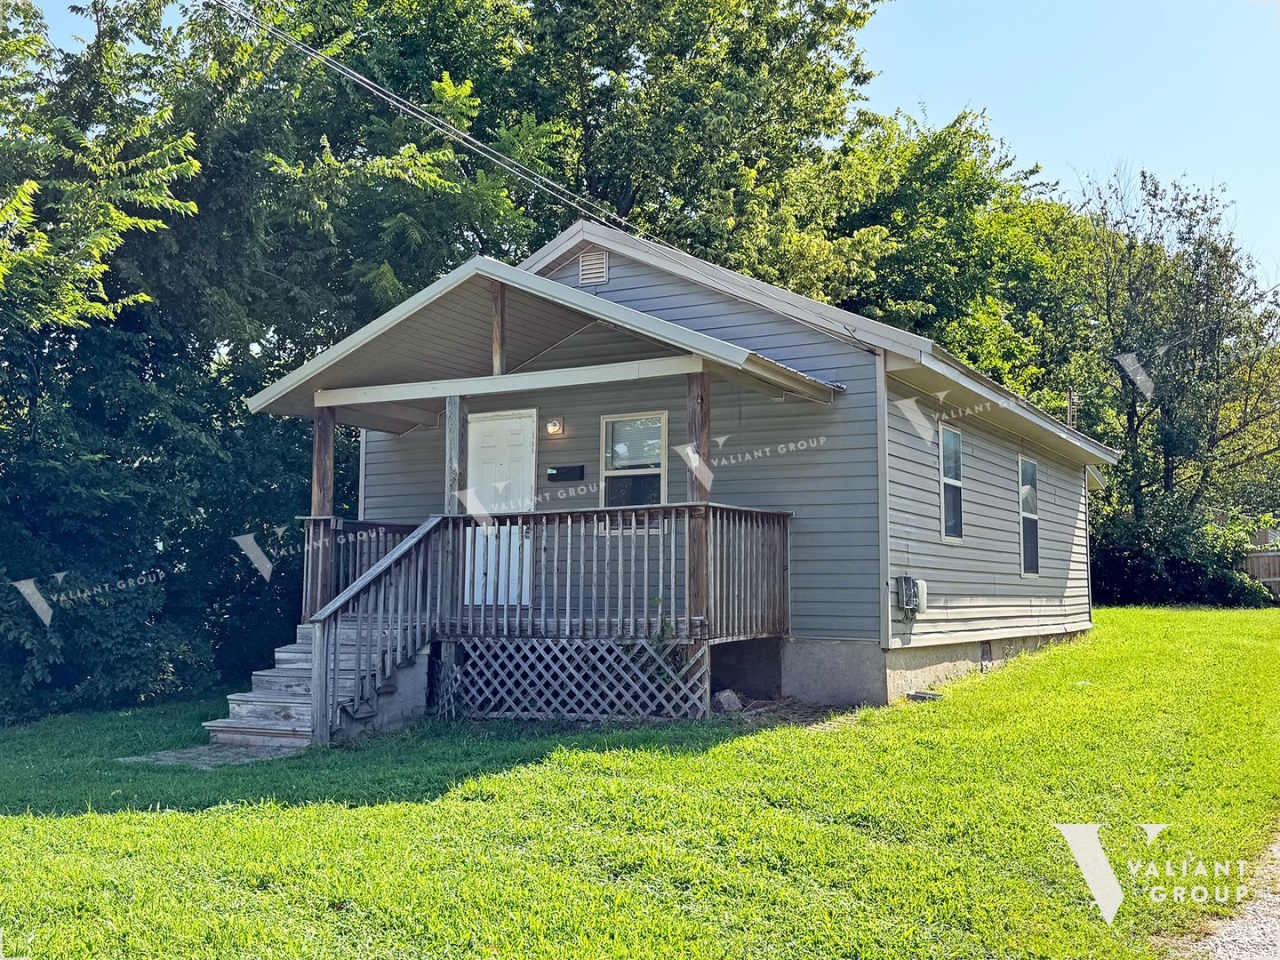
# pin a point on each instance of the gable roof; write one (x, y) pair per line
(358, 360)
(921, 362)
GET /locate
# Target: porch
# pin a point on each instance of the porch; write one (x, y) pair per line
(583, 613)
(497, 604)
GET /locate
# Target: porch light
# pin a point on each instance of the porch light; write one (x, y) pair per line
(555, 426)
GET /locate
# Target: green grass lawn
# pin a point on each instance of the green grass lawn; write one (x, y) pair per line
(917, 830)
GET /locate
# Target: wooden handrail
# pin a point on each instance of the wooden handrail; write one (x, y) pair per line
(375, 571)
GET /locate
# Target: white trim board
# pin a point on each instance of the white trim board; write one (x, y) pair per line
(511, 382)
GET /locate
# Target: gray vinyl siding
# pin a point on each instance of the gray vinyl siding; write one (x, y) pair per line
(402, 478)
(976, 589)
(718, 315)
(816, 460)
(831, 488)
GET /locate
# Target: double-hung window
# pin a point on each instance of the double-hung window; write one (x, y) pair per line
(633, 459)
(1029, 513)
(952, 484)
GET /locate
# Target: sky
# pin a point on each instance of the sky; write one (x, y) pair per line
(1083, 88)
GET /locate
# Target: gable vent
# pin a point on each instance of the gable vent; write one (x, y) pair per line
(593, 268)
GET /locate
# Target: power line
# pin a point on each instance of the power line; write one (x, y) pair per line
(584, 205)
(591, 209)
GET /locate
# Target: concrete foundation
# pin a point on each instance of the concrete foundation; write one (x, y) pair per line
(859, 672)
(919, 668)
(834, 672)
(398, 707)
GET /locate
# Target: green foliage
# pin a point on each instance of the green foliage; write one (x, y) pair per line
(92, 407)
(918, 830)
(1171, 558)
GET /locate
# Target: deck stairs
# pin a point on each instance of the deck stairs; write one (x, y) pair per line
(277, 709)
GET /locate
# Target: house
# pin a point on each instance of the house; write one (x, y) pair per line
(615, 478)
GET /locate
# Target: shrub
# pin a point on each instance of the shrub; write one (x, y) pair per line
(1173, 560)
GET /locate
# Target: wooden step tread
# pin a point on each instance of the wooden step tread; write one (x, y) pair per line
(270, 696)
(279, 729)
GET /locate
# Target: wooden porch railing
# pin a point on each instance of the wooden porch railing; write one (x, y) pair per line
(337, 550)
(612, 573)
(749, 559)
(373, 628)
(615, 575)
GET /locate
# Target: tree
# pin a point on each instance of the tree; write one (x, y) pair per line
(86, 403)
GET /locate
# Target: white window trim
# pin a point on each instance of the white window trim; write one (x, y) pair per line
(943, 480)
(662, 469)
(1023, 515)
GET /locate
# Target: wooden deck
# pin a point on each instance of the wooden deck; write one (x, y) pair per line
(570, 613)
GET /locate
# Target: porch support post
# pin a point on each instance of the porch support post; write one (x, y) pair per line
(317, 578)
(499, 328)
(454, 455)
(699, 491)
(322, 463)
(699, 404)
(455, 459)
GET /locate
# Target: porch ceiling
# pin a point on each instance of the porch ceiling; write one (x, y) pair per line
(444, 333)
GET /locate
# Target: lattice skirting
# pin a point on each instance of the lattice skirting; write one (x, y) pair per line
(580, 679)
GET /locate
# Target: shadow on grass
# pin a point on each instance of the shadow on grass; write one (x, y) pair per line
(70, 764)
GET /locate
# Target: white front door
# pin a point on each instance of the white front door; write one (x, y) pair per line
(500, 479)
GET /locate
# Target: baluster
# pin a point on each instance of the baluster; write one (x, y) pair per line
(713, 571)
(748, 571)
(465, 575)
(671, 593)
(398, 584)
(435, 564)
(502, 570)
(644, 578)
(415, 620)
(688, 617)
(568, 577)
(622, 565)
(731, 572)
(753, 601)
(736, 519)
(493, 581)
(595, 582)
(744, 521)
(488, 534)
(661, 581)
(581, 575)
(555, 577)
(607, 552)
(379, 598)
(467, 531)
(410, 602)
(740, 595)
(521, 559)
(542, 581)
